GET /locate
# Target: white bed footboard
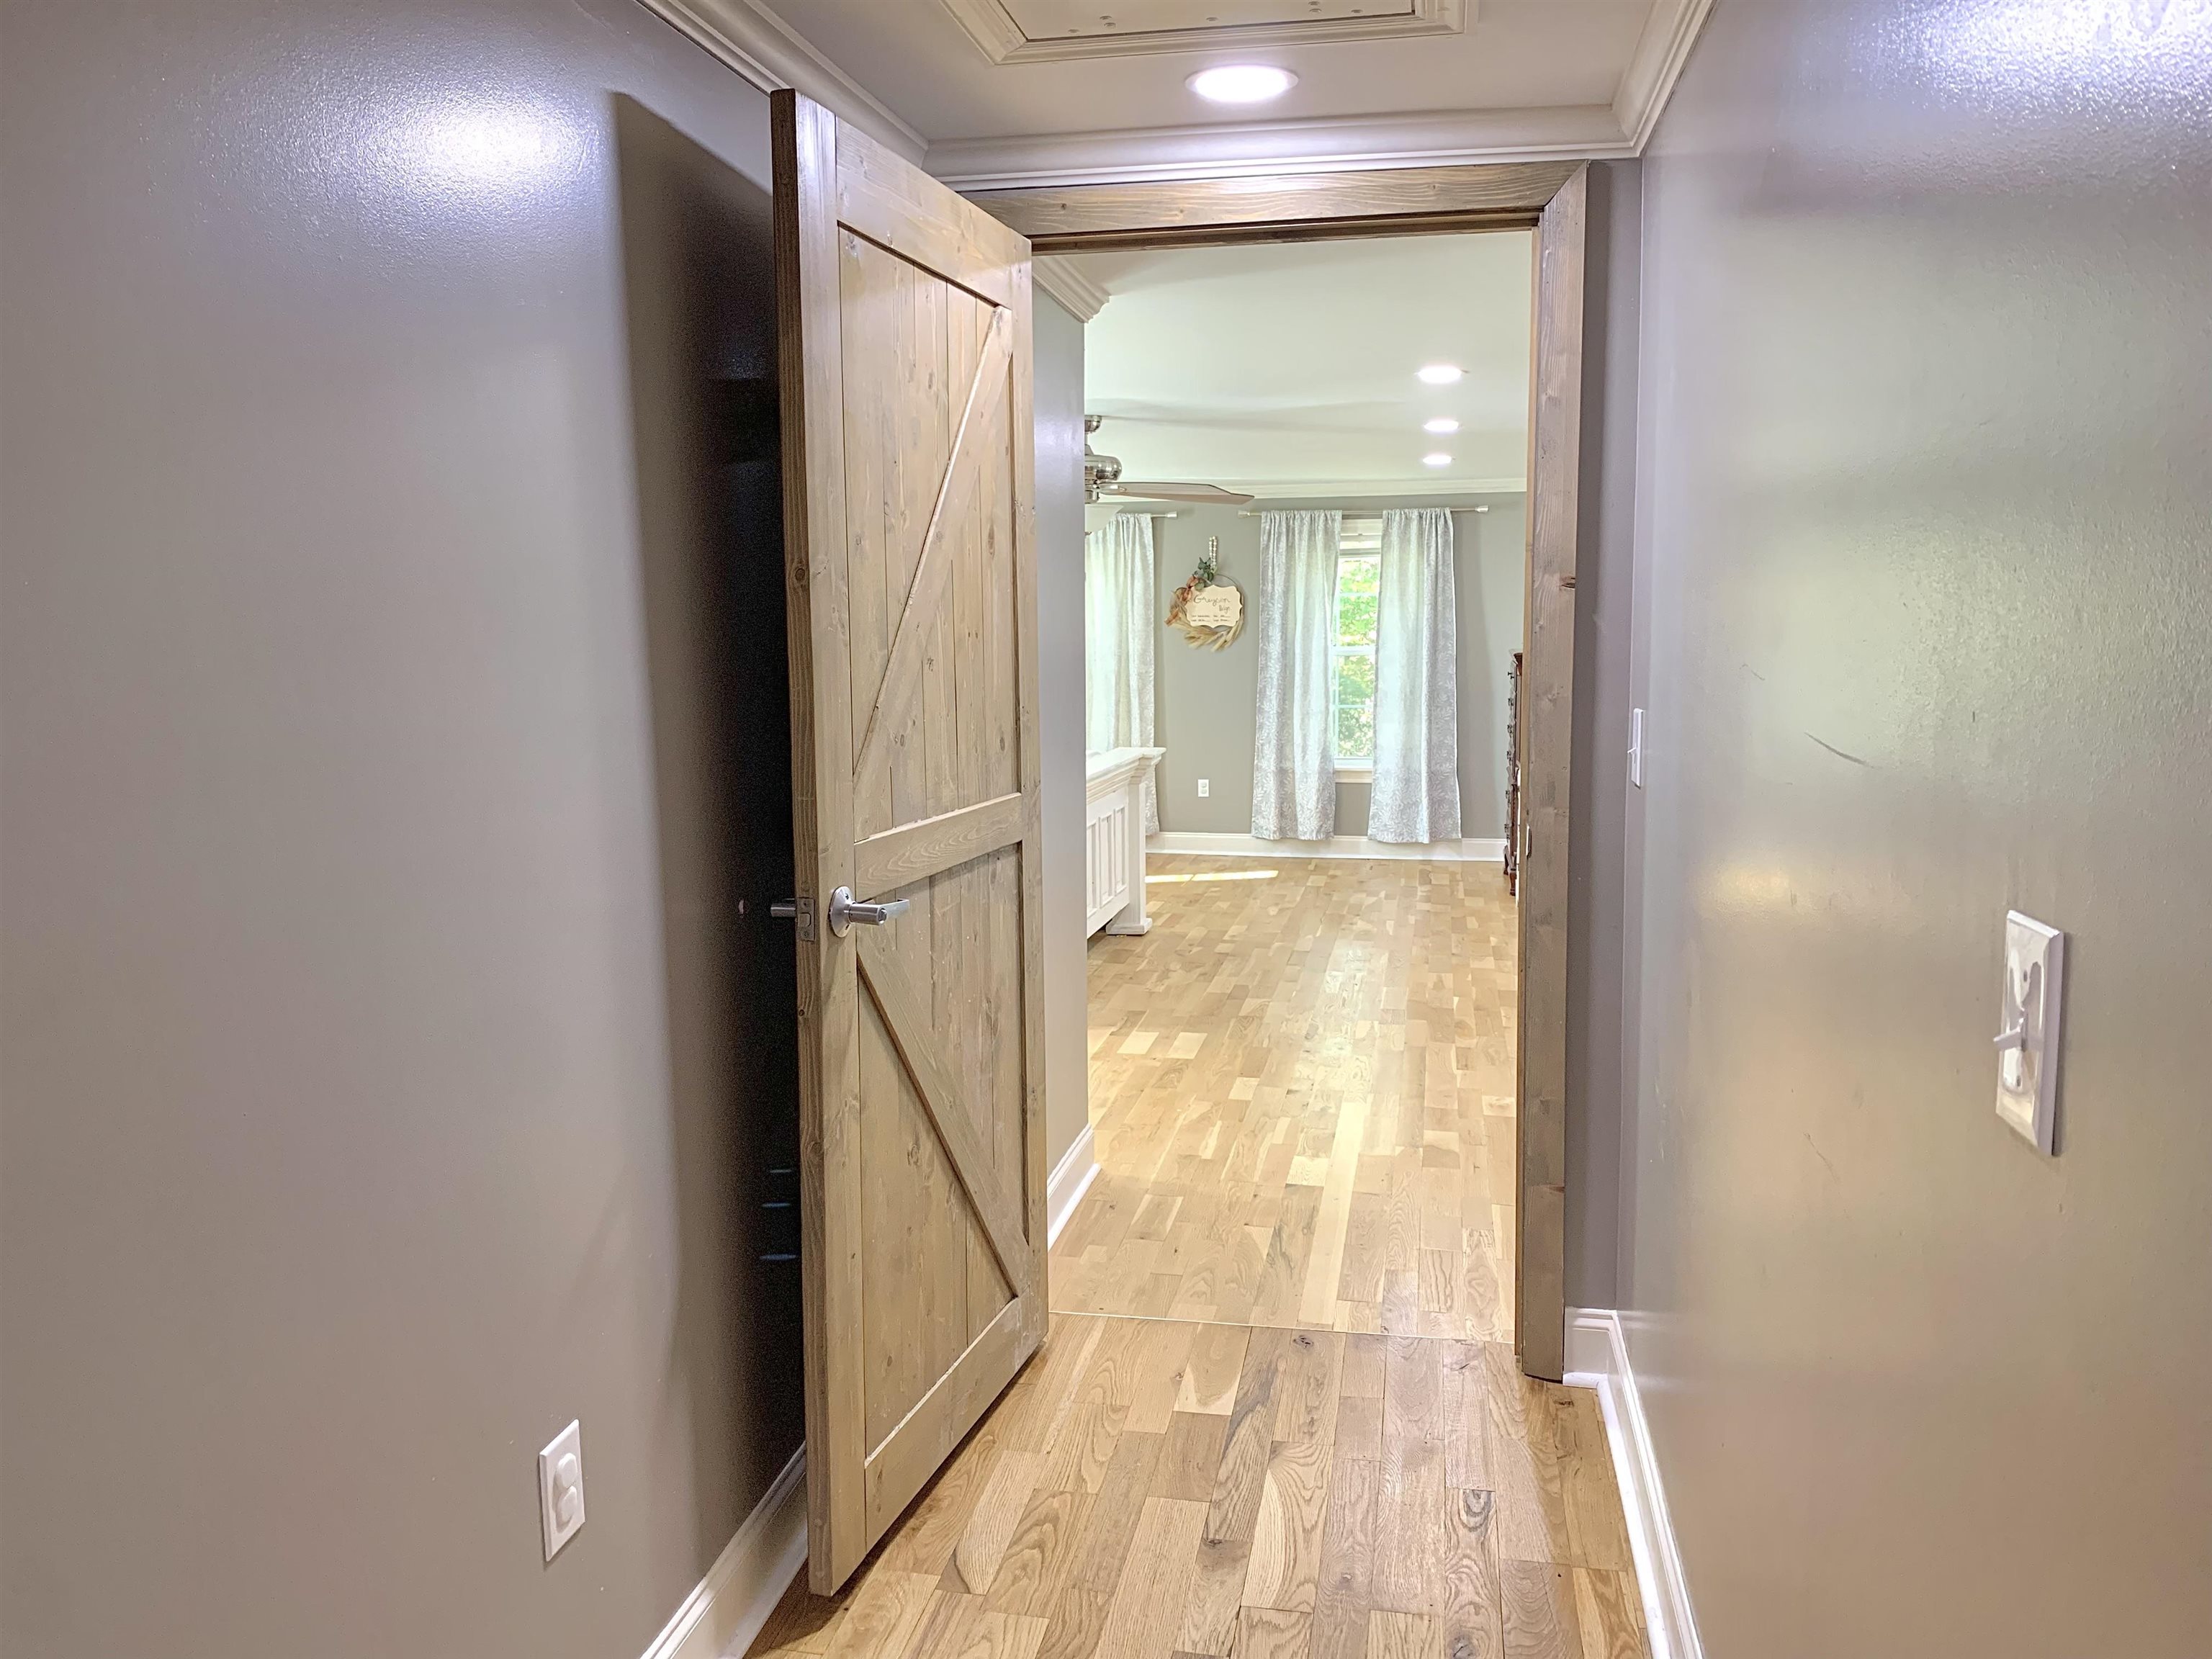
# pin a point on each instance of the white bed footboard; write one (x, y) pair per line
(1114, 841)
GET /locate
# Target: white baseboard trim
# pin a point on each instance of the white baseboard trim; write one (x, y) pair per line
(730, 1604)
(1070, 1178)
(1598, 1357)
(749, 1576)
(1470, 850)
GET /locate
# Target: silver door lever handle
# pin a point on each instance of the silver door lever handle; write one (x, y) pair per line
(845, 911)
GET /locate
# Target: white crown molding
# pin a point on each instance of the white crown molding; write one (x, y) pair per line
(1345, 143)
(1246, 148)
(999, 37)
(1065, 281)
(767, 51)
(748, 38)
(1474, 850)
(1661, 52)
(1368, 489)
(1598, 1357)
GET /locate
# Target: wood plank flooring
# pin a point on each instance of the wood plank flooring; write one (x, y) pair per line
(1151, 1487)
(1278, 1415)
(1302, 1093)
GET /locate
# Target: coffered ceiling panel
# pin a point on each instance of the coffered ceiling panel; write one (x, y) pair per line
(1034, 31)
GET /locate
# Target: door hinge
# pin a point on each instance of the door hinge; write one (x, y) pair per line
(800, 910)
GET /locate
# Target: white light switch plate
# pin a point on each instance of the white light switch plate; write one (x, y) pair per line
(561, 1488)
(2028, 1029)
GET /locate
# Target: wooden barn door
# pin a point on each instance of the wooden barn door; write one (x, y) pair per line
(911, 553)
(1546, 709)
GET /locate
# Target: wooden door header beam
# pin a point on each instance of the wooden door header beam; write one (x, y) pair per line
(1280, 208)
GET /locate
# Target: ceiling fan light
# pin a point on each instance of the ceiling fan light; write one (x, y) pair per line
(1440, 425)
(1439, 374)
(1242, 83)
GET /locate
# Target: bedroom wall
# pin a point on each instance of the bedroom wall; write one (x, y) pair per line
(1203, 699)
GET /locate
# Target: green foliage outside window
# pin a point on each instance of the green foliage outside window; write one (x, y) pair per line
(1358, 589)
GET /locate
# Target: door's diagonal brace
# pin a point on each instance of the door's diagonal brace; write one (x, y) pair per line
(910, 1033)
(932, 570)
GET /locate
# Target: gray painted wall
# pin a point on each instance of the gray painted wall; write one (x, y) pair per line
(395, 720)
(1925, 389)
(1059, 603)
(1203, 699)
(392, 725)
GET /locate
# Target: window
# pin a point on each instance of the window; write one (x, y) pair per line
(1359, 585)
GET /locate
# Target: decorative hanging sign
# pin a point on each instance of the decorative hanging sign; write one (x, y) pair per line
(1208, 608)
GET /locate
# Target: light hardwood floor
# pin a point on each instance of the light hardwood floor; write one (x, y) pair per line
(1198, 1468)
(1302, 1091)
(1153, 1486)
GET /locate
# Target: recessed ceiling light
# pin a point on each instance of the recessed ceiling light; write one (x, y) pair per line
(1440, 374)
(1438, 459)
(1242, 83)
(1442, 424)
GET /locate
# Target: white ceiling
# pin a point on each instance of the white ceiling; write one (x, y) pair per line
(992, 93)
(1287, 369)
(1012, 31)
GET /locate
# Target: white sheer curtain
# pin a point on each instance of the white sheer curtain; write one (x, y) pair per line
(1416, 789)
(1118, 628)
(1294, 772)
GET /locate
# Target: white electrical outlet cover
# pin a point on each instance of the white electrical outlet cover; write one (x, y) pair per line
(561, 1488)
(1205, 789)
(2029, 1005)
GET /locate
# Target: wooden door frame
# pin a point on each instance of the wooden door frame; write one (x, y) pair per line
(1549, 197)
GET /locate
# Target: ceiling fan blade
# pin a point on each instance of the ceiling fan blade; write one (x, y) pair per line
(1175, 492)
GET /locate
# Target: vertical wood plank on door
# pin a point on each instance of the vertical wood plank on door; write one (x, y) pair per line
(965, 916)
(1021, 523)
(1547, 712)
(867, 296)
(949, 970)
(809, 342)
